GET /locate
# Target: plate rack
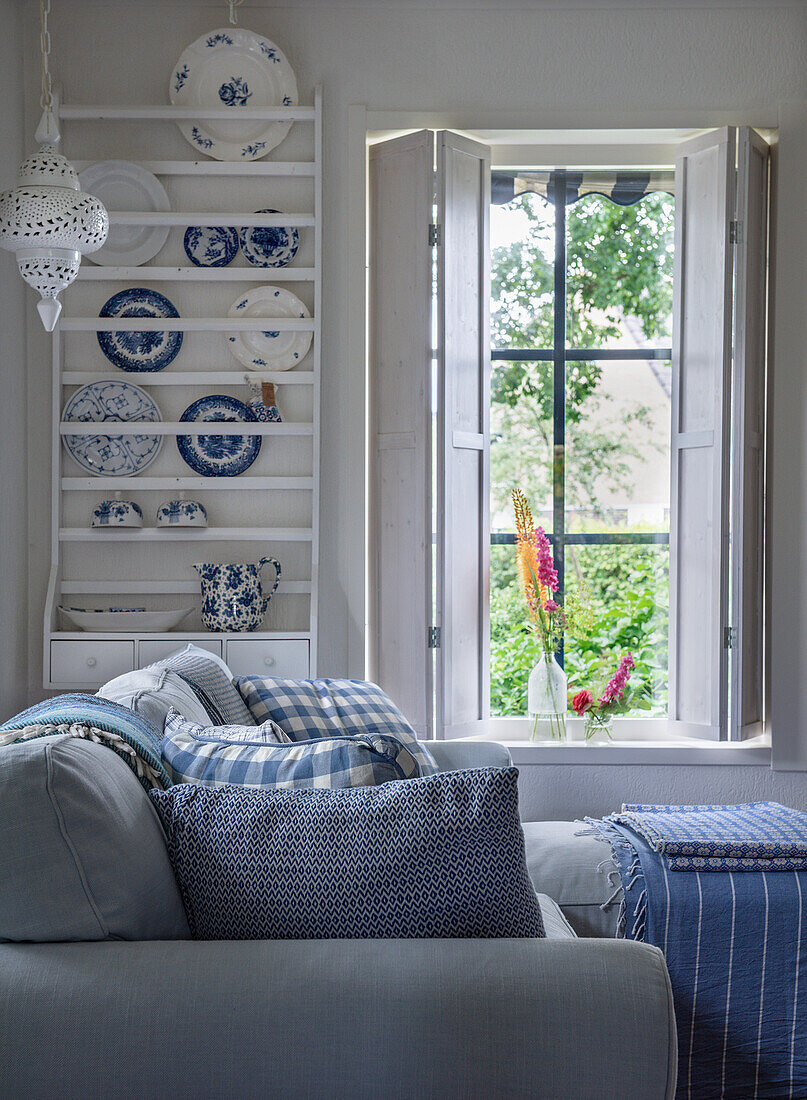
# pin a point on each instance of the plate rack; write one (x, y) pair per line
(87, 566)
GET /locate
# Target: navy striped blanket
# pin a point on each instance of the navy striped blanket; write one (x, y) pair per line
(99, 720)
(736, 949)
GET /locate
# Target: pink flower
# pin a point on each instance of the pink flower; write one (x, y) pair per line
(582, 702)
(547, 574)
(551, 606)
(615, 688)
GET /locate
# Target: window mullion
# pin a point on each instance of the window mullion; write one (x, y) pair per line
(559, 385)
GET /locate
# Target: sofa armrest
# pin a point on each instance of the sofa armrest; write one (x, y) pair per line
(337, 1018)
(452, 756)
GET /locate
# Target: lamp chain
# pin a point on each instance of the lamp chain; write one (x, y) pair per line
(46, 98)
(232, 5)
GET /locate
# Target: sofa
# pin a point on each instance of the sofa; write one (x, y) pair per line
(99, 1014)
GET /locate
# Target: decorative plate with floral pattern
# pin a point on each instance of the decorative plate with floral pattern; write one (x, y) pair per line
(234, 68)
(139, 351)
(269, 245)
(112, 455)
(219, 455)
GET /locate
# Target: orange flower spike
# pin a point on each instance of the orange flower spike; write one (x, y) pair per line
(526, 552)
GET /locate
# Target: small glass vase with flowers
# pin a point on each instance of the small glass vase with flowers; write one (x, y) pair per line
(600, 706)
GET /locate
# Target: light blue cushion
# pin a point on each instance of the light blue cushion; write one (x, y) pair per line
(321, 708)
(441, 856)
(82, 854)
(211, 676)
(151, 692)
(214, 756)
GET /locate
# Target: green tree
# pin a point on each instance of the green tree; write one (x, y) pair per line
(619, 265)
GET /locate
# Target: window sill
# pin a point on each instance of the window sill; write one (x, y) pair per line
(637, 741)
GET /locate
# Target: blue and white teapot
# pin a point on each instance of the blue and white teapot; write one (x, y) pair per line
(232, 596)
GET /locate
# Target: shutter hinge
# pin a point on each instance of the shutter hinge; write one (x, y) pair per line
(729, 637)
(435, 640)
(735, 232)
(434, 235)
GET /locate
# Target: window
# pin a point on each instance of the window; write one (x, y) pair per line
(581, 276)
(628, 401)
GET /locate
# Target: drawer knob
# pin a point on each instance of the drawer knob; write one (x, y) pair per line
(91, 662)
(268, 661)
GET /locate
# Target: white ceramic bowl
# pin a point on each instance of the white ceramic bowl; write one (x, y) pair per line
(181, 513)
(117, 513)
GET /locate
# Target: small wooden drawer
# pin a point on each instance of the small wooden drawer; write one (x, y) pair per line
(286, 657)
(90, 663)
(150, 650)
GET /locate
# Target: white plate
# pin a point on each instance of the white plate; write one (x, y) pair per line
(122, 619)
(234, 68)
(269, 350)
(124, 186)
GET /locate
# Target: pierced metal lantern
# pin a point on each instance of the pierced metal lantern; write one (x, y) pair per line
(48, 222)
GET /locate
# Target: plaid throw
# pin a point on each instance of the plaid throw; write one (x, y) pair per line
(306, 709)
(758, 836)
(212, 758)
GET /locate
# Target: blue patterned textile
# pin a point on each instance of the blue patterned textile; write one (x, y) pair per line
(89, 716)
(440, 856)
(215, 757)
(208, 675)
(758, 836)
(736, 949)
(321, 708)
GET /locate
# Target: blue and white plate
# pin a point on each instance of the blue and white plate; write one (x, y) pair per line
(272, 349)
(219, 455)
(233, 68)
(269, 246)
(139, 351)
(112, 455)
(211, 245)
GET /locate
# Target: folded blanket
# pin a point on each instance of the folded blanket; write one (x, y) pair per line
(736, 950)
(758, 836)
(95, 719)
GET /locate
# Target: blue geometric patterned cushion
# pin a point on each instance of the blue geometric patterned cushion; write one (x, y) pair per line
(207, 674)
(226, 754)
(441, 856)
(321, 708)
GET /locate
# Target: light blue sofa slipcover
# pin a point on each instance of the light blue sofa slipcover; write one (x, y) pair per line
(558, 1018)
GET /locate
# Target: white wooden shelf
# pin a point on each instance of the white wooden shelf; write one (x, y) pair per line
(197, 484)
(147, 588)
(153, 569)
(190, 378)
(181, 636)
(198, 274)
(177, 427)
(79, 112)
(199, 217)
(299, 169)
(186, 534)
(186, 324)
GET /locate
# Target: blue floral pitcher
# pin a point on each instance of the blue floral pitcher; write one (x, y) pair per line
(232, 596)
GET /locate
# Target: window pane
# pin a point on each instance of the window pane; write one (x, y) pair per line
(522, 241)
(618, 446)
(619, 271)
(627, 590)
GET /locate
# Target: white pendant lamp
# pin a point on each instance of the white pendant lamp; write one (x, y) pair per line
(46, 220)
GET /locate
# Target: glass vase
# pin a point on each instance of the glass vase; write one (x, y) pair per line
(546, 699)
(599, 728)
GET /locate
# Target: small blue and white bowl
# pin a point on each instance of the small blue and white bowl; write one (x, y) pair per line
(181, 513)
(117, 513)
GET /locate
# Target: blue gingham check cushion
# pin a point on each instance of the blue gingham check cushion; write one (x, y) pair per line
(440, 856)
(756, 836)
(213, 757)
(211, 679)
(321, 708)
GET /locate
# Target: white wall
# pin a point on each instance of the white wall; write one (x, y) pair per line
(13, 506)
(578, 62)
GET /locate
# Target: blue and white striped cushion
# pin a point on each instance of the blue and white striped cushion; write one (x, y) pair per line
(322, 708)
(213, 757)
(202, 671)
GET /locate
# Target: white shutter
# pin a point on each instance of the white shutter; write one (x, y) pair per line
(401, 187)
(463, 525)
(748, 433)
(699, 515)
